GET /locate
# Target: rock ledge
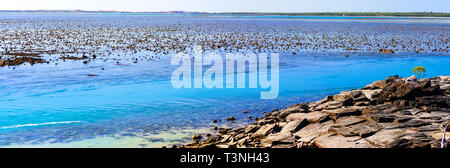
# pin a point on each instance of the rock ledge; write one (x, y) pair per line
(391, 113)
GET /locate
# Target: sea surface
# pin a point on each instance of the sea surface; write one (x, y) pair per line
(133, 104)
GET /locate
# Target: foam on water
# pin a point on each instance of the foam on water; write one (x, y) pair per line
(39, 124)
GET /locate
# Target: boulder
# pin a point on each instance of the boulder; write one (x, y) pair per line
(383, 83)
(231, 118)
(383, 117)
(281, 138)
(312, 131)
(401, 90)
(251, 129)
(294, 126)
(395, 91)
(266, 130)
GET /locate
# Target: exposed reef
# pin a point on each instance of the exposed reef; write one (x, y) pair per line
(391, 113)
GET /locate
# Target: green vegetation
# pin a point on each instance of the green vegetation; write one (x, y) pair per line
(419, 71)
(398, 14)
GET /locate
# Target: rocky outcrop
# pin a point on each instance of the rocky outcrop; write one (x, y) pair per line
(387, 51)
(20, 60)
(391, 113)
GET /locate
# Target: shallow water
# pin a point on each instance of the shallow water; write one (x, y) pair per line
(135, 105)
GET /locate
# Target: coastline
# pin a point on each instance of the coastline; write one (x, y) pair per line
(391, 113)
(122, 89)
(324, 14)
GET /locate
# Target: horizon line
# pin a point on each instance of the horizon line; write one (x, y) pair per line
(200, 12)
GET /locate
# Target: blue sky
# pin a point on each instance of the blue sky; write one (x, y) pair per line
(234, 5)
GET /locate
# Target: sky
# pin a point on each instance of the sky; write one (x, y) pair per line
(233, 5)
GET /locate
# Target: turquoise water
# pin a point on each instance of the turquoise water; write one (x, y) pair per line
(43, 102)
(130, 104)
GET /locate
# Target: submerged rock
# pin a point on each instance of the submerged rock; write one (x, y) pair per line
(20, 60)
(387, 51)
(231, 118)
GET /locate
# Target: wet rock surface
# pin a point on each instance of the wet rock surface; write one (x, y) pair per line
(396, 113)
(20, 60)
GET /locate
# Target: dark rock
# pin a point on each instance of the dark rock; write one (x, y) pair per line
(402, 119)
(387, 51)
(406, 112)
(73, 58)
(383, 117)
(428, 128)
(362, 103)
(197, 137)
(400, 90)
(20, 60)
(381, 108)
(383, 83)
(266, 130)
(395, 91)
(231, 118)
(414, 123)
(251, 129)
(294, 126)
(416, 140)
(402, 103)
(224, 130)
(392, 113)
(433, 101)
